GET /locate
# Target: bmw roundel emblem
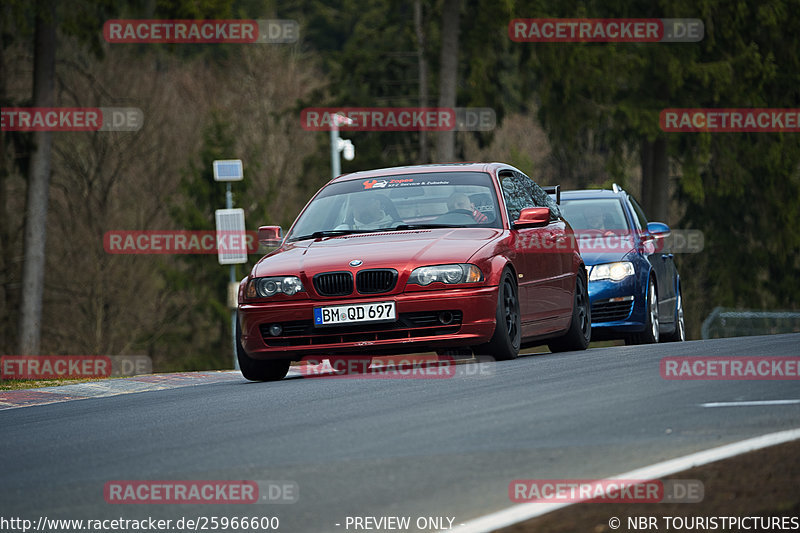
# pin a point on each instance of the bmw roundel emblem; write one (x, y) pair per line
(356, 262)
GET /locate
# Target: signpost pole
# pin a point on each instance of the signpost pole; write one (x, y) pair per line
(338, 144)
(230, 223)
(336, 168)
(229, 205)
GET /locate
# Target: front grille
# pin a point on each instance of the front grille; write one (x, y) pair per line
(375, 281)
(407, 326)
(334, 283)
(605, 311)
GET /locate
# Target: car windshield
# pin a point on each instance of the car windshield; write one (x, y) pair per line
(601, 214)
(441, 199)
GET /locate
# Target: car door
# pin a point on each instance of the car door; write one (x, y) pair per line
(536, 261)
(662, 263)
(561, 267)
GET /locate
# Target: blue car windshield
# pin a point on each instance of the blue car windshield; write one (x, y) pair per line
(440, 199)
(601, 214)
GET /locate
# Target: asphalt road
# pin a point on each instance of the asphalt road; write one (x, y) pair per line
(379, 447)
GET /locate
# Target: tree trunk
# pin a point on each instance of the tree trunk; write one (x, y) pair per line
(659, 208)
(422, 65)
(655, 179)
(38, 184)
(448, 75)
(646, 158)
(5, 230)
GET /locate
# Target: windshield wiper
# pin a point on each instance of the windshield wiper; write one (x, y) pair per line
(329, 233)
(424, 226)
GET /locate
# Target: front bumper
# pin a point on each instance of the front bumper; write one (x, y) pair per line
(608, 317)
(420, 325)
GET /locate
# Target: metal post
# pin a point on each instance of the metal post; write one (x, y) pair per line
(229, 205)
(336, 167)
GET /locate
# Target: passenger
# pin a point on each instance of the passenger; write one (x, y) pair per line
(369, 214)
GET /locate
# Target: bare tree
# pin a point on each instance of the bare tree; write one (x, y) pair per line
(422, 65)
(655, 178)
(38, 183)
(448, 75)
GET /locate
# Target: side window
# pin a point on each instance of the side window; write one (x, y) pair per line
(516, 193)
(640, 219)
(540, 197)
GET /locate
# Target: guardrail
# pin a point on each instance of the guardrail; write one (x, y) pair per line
(730, 322)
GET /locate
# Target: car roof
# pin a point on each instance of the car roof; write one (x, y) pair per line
(418, 169)
(585, 194)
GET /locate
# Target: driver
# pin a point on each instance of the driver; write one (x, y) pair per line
(459, 200)
(594, 218)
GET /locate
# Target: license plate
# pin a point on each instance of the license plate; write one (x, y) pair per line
(352, 314)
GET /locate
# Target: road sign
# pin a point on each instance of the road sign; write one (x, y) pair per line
(228, 170)
(231, 243)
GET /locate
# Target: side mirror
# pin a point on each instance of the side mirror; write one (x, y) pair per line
(659, 230)
(532, 217)
(270, 235)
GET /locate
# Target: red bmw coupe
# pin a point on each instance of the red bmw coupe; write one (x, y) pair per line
(415, 259)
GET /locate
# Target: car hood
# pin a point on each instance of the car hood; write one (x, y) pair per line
(401, 250)
(597, 258)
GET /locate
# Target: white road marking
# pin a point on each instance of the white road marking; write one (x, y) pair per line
(749, 403)
(526, 511)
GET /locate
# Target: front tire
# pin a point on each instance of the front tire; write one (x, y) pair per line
(579, 333)
(679, 335)
(505, 341)
(256, 369)
(650, 335)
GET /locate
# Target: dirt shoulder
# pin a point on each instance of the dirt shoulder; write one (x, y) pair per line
(764, 483)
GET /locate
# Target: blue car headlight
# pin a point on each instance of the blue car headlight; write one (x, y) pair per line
(613, 271)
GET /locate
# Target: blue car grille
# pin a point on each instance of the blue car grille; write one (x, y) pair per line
(605, 311)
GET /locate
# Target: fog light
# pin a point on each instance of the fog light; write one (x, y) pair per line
(445, 317)
(621, 299)
(275, 330)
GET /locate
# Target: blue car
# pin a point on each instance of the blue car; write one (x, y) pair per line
(634, 287)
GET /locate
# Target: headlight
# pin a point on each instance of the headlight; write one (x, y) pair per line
(612, 271)
(450, 274)
(266, 287)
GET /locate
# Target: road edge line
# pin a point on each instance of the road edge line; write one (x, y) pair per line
(519, 513)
